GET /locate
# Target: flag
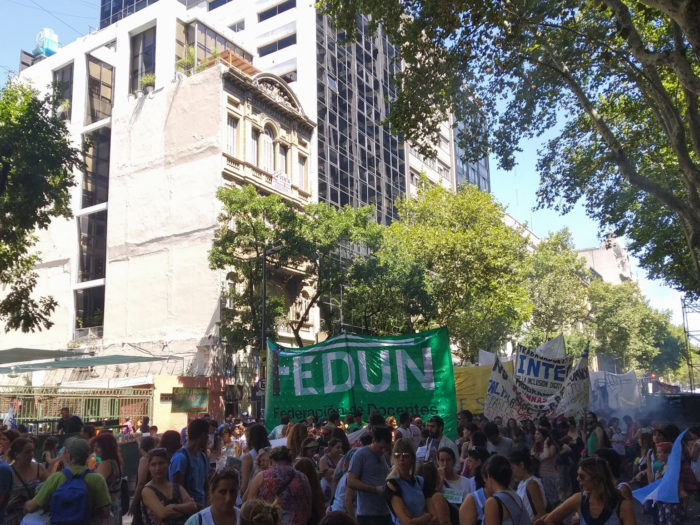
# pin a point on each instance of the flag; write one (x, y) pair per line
(665, 489)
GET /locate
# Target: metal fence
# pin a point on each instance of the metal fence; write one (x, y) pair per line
(41, 406)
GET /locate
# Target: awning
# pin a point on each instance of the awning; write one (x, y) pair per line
(102, 360)
(21, 355)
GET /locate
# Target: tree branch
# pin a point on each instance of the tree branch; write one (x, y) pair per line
(670, 118)
(686, 14)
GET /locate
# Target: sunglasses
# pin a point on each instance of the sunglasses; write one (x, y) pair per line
(403, 455)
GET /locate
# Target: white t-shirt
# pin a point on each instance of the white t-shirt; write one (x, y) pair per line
(204, 517)
(453, 488)
(522, 492)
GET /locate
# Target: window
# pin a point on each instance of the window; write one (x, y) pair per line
(276, 46)
(253, 147)
(282, 162)
(276, 10)
(64, 79)
(89, 307)
(96, 175)
(238, 26)
(143, 57)
(267, 161)
(231, 134)
(289, 77)
(92, 237)
(100, 81)
(301, 172)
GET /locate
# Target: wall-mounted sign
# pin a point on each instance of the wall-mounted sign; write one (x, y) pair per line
(190, 400)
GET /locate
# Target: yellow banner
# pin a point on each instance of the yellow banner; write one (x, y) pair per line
(471, 384)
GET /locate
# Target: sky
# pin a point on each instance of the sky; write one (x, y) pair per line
(23, 19)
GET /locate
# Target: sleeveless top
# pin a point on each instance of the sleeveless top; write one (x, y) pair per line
(114, 480)
(479, 502)
(22, 490)
(147, 515)
(411, 493)
(607, 516)
(522, 492)
(516, 509)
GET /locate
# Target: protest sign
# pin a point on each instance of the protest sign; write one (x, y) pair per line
(509, 397)
(411, 373)
(541, 376)
(471, 384)
(614, 391)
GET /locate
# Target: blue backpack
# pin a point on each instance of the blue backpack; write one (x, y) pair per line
(69, 502)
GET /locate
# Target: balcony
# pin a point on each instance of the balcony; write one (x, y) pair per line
(243, 172)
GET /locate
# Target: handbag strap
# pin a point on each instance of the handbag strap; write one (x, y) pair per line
(30, 493)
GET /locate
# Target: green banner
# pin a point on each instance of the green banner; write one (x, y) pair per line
(190, 400)
(408, 373)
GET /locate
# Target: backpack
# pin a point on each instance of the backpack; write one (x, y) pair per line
(69, 502)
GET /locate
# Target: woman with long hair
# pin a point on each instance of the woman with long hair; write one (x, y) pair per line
(148, 443)
(442, 512)
(514, 432)
(256, 437)
(504, 505)
(282, 483)
(106, 448)
(295, 437)
(455, 487)
(545, 450)
(530, 487)
(260, 512)
(318, 504)
(27, 474)
(646, 443)
(599, 499)
(223, 494)
(404, 489)
(471, 512)
(160, 501)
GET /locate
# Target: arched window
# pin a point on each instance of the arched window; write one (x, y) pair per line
(267, 159)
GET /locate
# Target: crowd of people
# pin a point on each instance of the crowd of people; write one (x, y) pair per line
(335, 471)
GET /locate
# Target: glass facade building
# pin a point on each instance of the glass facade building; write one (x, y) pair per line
(359, 161)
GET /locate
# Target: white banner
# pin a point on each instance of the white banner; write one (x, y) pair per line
(614, 391)
(509, 397)
(541, 376)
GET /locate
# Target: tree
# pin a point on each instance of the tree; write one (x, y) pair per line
(623, 75)
(557, 286)
(309, 264)
(37, 161)
(625, 326)
(475, 265)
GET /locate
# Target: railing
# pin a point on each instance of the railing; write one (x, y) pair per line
(41, 406)
(91, 332)
(248, 172)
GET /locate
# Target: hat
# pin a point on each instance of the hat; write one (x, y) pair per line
(78, 448)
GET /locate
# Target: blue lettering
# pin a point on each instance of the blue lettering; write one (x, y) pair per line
(547, 368)
(560, 373)
(533, 367)
(521, 366)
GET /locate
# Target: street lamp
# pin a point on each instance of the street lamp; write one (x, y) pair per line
(263, 314)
